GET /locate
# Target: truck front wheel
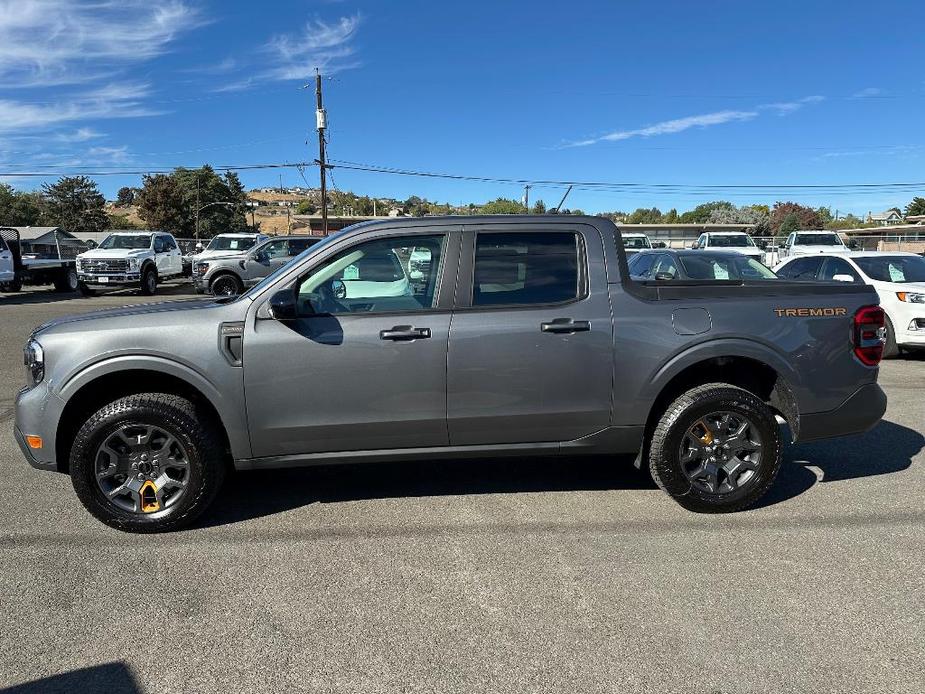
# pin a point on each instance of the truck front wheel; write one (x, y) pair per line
(149, 282)
(67, 282)
(716, 449)
(147, 463)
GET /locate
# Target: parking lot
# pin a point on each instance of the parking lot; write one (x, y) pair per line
(570, 575)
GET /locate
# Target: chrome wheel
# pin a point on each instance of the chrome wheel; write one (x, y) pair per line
(721, 452)
(142, 468)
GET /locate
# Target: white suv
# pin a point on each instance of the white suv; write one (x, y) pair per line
(737, 241)
(126, 258)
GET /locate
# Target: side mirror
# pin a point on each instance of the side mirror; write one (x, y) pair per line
(659, 244)
(261, 257)
(843, 278)
(663, 276)
(283, 306)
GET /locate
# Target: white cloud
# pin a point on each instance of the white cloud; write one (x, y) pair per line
(867, 93)
(704, 120)
(321, 44)
(56, 42)
(109, 101)
(79, 135)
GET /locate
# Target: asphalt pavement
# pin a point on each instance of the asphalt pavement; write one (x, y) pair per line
(572, 575)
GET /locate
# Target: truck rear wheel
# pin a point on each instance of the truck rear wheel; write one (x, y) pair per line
(67, 281)
(147, 463)
(716, 449)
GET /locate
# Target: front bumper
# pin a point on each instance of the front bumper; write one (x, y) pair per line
(106, 280)
(911, 332)
(38, 411)
(859, 413)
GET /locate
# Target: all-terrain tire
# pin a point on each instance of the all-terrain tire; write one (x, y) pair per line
(226, 284)
(664, 449)
(149, 282)
(194, 429)
(68, 282)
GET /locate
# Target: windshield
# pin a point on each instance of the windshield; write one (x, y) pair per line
(817, 240)
(231, 243)
(893, 268)
(703, 266)
(134, 241)
(737, 241)
(636, 242)
(257, 288)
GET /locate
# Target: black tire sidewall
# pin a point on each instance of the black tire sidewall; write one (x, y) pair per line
(664, 456)
(226, 278)
(149, 282)
(890, 349)
(205, 474)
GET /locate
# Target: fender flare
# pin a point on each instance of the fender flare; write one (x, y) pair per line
(232, 418)
(783, 397)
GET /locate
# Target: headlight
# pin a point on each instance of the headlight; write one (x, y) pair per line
(133, 263)
(33, 356)
(201, 268)
(79, 265)
(911, 298)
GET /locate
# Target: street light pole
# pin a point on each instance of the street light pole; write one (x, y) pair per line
(226, 204)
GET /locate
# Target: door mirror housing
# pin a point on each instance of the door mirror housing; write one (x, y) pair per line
(843, 278)
(283, 306)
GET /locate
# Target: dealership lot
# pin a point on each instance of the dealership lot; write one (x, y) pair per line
(565, 575)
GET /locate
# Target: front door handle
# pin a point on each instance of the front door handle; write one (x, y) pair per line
(404, 332)
(565, 325)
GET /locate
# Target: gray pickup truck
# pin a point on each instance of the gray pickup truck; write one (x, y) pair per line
(521, 336)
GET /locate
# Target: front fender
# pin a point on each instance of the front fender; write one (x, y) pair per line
(229, 409)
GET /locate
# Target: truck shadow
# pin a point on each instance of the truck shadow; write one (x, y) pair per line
(886, 449)
(108, 678)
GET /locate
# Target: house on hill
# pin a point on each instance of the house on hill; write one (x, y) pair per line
(885, 219)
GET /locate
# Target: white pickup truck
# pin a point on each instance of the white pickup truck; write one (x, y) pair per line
(141, 259)
(806, 242)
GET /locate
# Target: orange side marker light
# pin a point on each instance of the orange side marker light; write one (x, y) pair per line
(34, 441)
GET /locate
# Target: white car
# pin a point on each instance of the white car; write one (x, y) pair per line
(635, 242)
(804, 242)
(737, 241)
(127, 258)
(899, 279)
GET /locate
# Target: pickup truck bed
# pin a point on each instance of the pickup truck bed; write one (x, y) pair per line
(529, 337)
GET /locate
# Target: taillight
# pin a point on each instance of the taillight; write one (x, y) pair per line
(869, 334)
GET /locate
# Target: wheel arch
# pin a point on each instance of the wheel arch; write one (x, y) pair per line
(747, 365)
(223, 273)
(108, 381)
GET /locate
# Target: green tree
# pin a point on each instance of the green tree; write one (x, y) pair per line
(757, 218)
(306, 206)
(75, 204)
(790, 222)
(916, 207)
(503, 206)
(126, 196)
(645, 216)
(671, 217)
(161, 204)
(20, 209)
(701, 213)
(539, 207)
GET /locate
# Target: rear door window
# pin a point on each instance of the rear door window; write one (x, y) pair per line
(523, 269)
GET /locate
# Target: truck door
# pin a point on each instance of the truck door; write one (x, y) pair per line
(531, 345)
(6, 262)
(161, 255)
(174, 256)
(365, 368)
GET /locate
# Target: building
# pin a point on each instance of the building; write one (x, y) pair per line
(48, 242)
(885, 218)
(898, 237)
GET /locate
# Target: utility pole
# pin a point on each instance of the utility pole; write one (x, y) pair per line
(527, 198)
(197, 207)
(281, 184)
(321, 123)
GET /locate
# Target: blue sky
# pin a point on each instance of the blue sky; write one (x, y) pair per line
(696, 93)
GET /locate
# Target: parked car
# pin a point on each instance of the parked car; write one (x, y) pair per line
(737, 241)
(667, 265)
(230, 244)
(527, 337)
(133, 258)
(232, 273)
(634, 241)
(805, 242)
(899, 279)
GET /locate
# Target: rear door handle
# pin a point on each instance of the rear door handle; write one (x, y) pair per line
(404, 332)
(566, 325)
